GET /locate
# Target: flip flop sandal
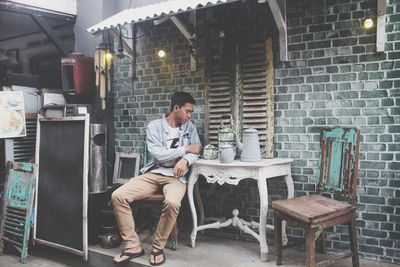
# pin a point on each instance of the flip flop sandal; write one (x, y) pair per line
(130, 256)
(155, 254)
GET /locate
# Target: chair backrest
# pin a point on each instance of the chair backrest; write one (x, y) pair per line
(339, 162)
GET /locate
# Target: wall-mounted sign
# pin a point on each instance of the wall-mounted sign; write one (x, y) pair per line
(12, 114)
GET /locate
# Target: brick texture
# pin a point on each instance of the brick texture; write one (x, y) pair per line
(356, 87)
(333, 77)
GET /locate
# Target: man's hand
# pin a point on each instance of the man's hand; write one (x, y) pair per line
(195, 148)
(180, 168)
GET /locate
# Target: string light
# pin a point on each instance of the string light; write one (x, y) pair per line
(161, 53)
(109, 55)
(368, 23)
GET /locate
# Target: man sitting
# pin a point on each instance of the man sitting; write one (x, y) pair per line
(173, 145)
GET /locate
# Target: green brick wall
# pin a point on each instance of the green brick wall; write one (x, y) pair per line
(333, 77)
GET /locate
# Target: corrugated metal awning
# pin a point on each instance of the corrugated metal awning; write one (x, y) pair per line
(153, 11)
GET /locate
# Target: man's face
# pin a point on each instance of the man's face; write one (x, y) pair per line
(183, 114)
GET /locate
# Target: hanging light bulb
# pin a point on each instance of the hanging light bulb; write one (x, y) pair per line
(368, 23)
(161, 53)
(109, 55)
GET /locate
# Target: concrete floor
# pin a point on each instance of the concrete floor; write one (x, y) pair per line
(209, 251)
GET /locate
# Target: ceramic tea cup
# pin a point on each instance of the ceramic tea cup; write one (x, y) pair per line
(227, 153)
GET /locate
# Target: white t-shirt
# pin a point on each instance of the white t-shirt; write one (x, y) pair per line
(167, 168)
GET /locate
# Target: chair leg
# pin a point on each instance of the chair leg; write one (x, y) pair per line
(1, 246)
(278, 239)
(174, 237)
(353, 242)
(322, 238)
(310, 245)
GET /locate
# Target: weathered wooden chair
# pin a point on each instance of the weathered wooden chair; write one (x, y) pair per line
(338, 178)
(17, 206)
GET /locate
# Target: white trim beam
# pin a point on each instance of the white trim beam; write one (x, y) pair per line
(281, 24)
(160, 20)
(380, 26)
(189, 36)
(182, 28)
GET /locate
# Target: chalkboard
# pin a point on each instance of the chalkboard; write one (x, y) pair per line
(62, 192)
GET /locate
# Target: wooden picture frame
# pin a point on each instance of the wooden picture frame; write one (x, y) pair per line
(126, 166)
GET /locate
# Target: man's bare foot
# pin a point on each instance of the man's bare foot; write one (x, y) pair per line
(129, 254)
(157, 257)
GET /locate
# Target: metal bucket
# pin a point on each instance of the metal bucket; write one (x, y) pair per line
(98, 153)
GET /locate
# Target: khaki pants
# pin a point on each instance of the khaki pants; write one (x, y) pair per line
(141, 187)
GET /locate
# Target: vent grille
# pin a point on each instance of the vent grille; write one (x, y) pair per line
(24, 147)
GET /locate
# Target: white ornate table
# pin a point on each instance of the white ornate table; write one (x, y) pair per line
(232, 173)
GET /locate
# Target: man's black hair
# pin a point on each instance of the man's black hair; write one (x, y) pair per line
(181, 98)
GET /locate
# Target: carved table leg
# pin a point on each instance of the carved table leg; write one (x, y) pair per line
(262, 188)
(192, 181)
(199, 203)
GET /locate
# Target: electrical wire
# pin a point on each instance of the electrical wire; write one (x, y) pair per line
(127, 37)
(130, 38)
(109, 39)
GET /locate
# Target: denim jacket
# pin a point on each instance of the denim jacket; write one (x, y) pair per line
(156, 139)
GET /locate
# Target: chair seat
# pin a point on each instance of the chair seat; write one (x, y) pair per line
(312, 208)
(153, 201)
(154, 198)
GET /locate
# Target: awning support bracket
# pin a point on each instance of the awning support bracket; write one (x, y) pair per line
(280, 21)
(189, 36)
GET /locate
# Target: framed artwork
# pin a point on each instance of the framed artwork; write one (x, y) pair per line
(12, 114)
(126, 166)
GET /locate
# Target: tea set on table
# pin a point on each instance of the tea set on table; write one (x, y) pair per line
(229, 145)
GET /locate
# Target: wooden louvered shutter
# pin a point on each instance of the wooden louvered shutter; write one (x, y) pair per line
(254, 92)
(246, 92)
(219, 95)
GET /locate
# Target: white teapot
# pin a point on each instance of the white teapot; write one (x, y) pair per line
(250, 149)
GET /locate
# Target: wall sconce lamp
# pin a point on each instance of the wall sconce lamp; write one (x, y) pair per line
(161, 53)
(120, 48)
(121, 55)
